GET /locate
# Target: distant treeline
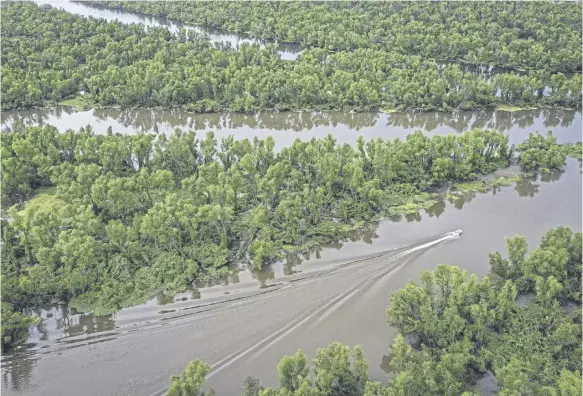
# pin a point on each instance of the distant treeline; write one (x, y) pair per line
(50, 55)
(521, 35)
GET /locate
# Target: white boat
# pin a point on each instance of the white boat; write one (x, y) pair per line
(456, 233)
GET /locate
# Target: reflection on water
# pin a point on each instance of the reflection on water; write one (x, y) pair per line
(285, 127)
(287, 51)
(57, 324)
(20, 371)
(62, 322)
(226, 280)
(527, 187)
(483, 70)
(386, 364)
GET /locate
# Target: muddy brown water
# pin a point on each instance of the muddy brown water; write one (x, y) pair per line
(285, 127)
(245, 324)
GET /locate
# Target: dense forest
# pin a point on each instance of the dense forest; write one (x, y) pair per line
(50, 55)
(522, 323)
(117, 219)
(521, 35)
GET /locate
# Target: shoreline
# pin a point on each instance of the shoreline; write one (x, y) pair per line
(386, 110)
(502, 177)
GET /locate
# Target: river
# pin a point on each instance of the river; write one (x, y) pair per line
(246, 323)
(285, 127)
(286, 51)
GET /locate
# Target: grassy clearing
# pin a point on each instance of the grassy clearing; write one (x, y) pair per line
(481, 186)
(78, 103)
(391, 110)
(413, 204)
(475, 186)
(574, 150)
(505, 181)
(506, 107)
(44, 199)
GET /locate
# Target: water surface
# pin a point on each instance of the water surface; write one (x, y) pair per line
(285, 127)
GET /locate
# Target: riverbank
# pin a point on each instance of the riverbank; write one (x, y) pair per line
(286, 127)
(83, 103)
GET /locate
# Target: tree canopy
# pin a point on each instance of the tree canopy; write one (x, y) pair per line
(49, 55)
(108, 221)
(521, 35)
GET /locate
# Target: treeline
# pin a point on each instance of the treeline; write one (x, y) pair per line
(50, 55)
(522, 323)
(133, 216)
(542, 35)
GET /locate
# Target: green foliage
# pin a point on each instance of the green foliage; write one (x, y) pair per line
(574, 150)
(293, 370)
(337, 371)
(14, 327)
(50, 56)
(542, 153)
(552, 271)
(464, 325)
(191, 380)
(44, 199)
(251, 387)
(521, 35)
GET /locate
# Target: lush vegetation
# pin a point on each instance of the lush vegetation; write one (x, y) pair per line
(110, 221)
(542, 35)
(522, 323)
(49, 56)
(540, 153)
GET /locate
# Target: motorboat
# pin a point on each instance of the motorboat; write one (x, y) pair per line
(456, 233)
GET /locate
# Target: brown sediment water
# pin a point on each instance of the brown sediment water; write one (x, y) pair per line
(285, 127)
(243, 324)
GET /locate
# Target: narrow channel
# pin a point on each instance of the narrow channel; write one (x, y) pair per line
(286, 51)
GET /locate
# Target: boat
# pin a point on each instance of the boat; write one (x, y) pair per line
(456, 233)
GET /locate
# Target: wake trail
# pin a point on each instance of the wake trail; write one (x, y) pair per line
(322, 308)
(375, 278)
(328, 308)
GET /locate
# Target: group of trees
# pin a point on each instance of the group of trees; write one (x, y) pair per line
(137, 215)
(522, 323)
(519, 35)
(50, 55)
(540, 153)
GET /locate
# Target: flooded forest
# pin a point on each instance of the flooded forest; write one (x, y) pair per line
(291, 198)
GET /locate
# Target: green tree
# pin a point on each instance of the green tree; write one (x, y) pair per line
(191, 380)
